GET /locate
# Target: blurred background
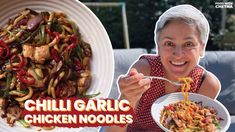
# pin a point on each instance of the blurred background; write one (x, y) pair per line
(130, 23)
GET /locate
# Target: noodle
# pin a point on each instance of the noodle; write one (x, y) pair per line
(190, 116)
(186, 86)
(42, 54)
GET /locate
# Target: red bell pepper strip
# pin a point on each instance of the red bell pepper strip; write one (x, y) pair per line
(204, 120)
(25, 77)
(56, 34)
(55, 55)
(78, 65)
(4, 50)
(170, 107)
(74, 42)
(48, 31)
(21, 62)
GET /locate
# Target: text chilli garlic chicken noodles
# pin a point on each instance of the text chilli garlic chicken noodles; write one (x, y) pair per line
(42, 54)
(188, 116)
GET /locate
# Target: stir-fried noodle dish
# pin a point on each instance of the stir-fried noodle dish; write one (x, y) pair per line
(42, 54)
(188, 116)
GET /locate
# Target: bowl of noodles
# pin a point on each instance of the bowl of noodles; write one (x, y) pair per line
(199, 113)
(56, 49)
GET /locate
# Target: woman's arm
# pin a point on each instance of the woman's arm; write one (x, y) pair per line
(211, 86)
(132, 87)
(142, 66)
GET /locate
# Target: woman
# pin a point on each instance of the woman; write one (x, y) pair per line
(181, 34)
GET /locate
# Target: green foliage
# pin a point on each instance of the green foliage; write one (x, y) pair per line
(226, 39)
(111, 18)
(143, 14)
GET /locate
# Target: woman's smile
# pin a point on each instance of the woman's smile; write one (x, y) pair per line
(178, 63)
(178, 67)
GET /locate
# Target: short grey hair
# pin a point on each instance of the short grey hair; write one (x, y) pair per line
(187, 13)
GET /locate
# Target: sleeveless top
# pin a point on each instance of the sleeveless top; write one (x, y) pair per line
(144, 121)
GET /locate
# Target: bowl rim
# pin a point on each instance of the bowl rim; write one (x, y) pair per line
(200, 96)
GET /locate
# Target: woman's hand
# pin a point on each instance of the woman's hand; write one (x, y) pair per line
(133, 86)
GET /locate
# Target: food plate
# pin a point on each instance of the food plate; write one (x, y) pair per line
(159, 104)
(93, 32)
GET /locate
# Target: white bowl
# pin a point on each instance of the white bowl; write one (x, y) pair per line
(92, 30)
(159, 104)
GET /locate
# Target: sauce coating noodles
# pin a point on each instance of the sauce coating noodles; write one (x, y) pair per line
(188, 116)
(42, 54)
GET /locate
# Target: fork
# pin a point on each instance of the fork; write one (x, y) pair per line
(165, 79)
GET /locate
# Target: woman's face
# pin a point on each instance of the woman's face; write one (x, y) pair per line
(179, 47)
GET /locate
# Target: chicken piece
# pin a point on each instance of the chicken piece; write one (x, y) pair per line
(83, 81)
(41, 54)
(28, 51)
(67, 89)
(37, 54)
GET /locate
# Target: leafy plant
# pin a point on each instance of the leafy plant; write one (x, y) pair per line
(226, 39)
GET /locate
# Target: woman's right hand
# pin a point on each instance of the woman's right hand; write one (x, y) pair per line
(133, 86)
